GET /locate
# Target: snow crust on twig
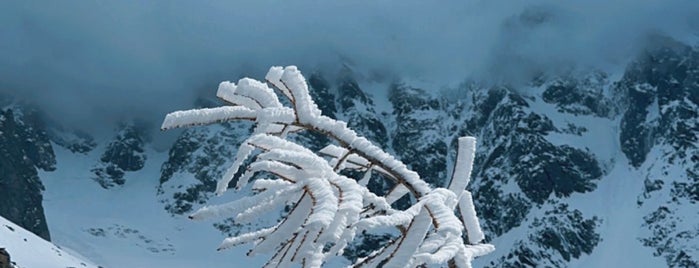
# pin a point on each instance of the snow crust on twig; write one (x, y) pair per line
(327, 209)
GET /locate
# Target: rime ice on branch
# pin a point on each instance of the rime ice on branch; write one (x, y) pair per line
(327, 208)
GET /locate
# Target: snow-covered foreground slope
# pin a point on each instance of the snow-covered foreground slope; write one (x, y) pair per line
(127, 226)
(27, 250)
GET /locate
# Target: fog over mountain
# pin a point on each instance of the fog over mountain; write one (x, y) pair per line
(106, 61)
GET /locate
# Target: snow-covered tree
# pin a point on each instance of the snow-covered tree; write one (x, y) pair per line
(327, 209)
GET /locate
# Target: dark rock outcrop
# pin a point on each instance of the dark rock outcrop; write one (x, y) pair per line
(124, 154)
(5, 260)
(420, 134)
(24, 148)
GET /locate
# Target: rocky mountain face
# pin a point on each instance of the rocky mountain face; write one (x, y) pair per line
(199, 157)
(24, 148)
(123, 154)
(563, 163)
(523, 177)
(660, 135)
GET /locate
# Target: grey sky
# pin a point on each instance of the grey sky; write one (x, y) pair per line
(103, 61)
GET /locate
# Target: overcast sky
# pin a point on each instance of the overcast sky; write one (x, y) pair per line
(104, 61)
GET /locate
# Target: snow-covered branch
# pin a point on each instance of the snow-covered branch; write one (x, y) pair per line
(328, 209)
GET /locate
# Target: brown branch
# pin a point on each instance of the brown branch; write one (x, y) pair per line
(290, 212)
(259, 105)
(288, 245)
(342, 159)
(209, 123)
(371, 257)
(346, 160)
(296, 252)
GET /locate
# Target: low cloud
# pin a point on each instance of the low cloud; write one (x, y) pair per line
(90, 62)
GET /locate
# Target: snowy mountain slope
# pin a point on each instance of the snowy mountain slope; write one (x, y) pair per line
(28, 250)
(616, 122)
(660, 136)
(570, 169)
(127, 225)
